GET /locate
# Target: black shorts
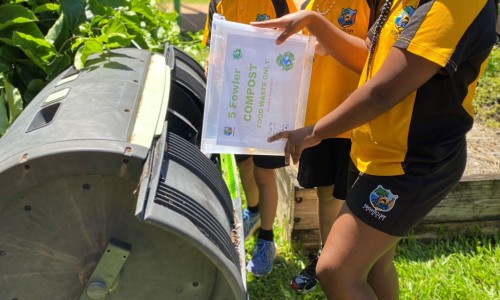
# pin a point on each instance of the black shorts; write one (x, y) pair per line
(326, 164)
(395, 204)
(263, 161)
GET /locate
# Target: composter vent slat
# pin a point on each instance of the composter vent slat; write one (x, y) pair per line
(191, 84)
(190, 157)
(191, 62)
(199, 216)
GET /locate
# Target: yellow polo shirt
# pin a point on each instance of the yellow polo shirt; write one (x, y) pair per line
(431, 122)
(246, 11)
(331, 83)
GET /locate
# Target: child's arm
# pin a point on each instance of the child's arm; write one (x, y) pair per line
(332, 39)
(387, 88)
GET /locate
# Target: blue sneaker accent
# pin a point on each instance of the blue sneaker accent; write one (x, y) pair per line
(262, 259)
(251, 221)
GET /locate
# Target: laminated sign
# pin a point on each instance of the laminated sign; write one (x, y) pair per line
(255, 88)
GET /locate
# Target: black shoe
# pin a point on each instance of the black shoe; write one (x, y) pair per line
(306, 281)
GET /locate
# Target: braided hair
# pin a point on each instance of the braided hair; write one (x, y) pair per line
(379, 23)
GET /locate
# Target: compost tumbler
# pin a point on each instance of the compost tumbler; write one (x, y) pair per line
(105, 194)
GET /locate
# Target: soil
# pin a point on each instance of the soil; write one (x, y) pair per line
(483, 147)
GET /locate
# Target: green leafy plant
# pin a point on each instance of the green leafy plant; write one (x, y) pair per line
(12, 105)
(40, 38)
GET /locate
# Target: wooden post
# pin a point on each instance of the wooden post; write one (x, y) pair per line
(177, 8)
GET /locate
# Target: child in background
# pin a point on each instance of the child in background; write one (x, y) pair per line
(257, 172)
(325, 166)
(409, 117)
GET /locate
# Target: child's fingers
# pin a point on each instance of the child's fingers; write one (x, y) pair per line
(289, 31)
(274, 23)
(279, 136)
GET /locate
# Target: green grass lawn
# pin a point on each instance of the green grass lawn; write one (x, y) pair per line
(460, 268)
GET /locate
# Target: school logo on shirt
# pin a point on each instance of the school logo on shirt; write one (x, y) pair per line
(262, 17)
(382, 199)
(347, 18)
(403, 18)
(285, 60)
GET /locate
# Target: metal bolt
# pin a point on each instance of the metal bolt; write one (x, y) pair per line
(96, 290)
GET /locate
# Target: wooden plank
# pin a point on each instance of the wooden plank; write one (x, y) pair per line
(305, 209)
(306, 239)
(445, 230)
(473, 199)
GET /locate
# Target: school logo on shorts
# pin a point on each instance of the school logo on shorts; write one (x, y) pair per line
(382, 199)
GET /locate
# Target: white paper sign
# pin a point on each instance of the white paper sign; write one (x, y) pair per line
(255, 88)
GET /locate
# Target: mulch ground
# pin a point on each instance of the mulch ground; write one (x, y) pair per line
(483, 146)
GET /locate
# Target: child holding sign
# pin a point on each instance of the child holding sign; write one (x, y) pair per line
(257, 172)
(409, 117)
(324, 166)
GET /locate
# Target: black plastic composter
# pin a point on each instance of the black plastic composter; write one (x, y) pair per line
(100, 198)
(187, 96)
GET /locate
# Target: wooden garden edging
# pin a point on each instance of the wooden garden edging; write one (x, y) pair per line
(473, 205)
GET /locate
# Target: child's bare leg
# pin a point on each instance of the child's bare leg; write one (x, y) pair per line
(328, 209)
(268, 195)
(248, 182)
(384, 269)
(352, 249)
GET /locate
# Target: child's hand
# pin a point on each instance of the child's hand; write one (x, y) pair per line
(297, 141)
(290, 24)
